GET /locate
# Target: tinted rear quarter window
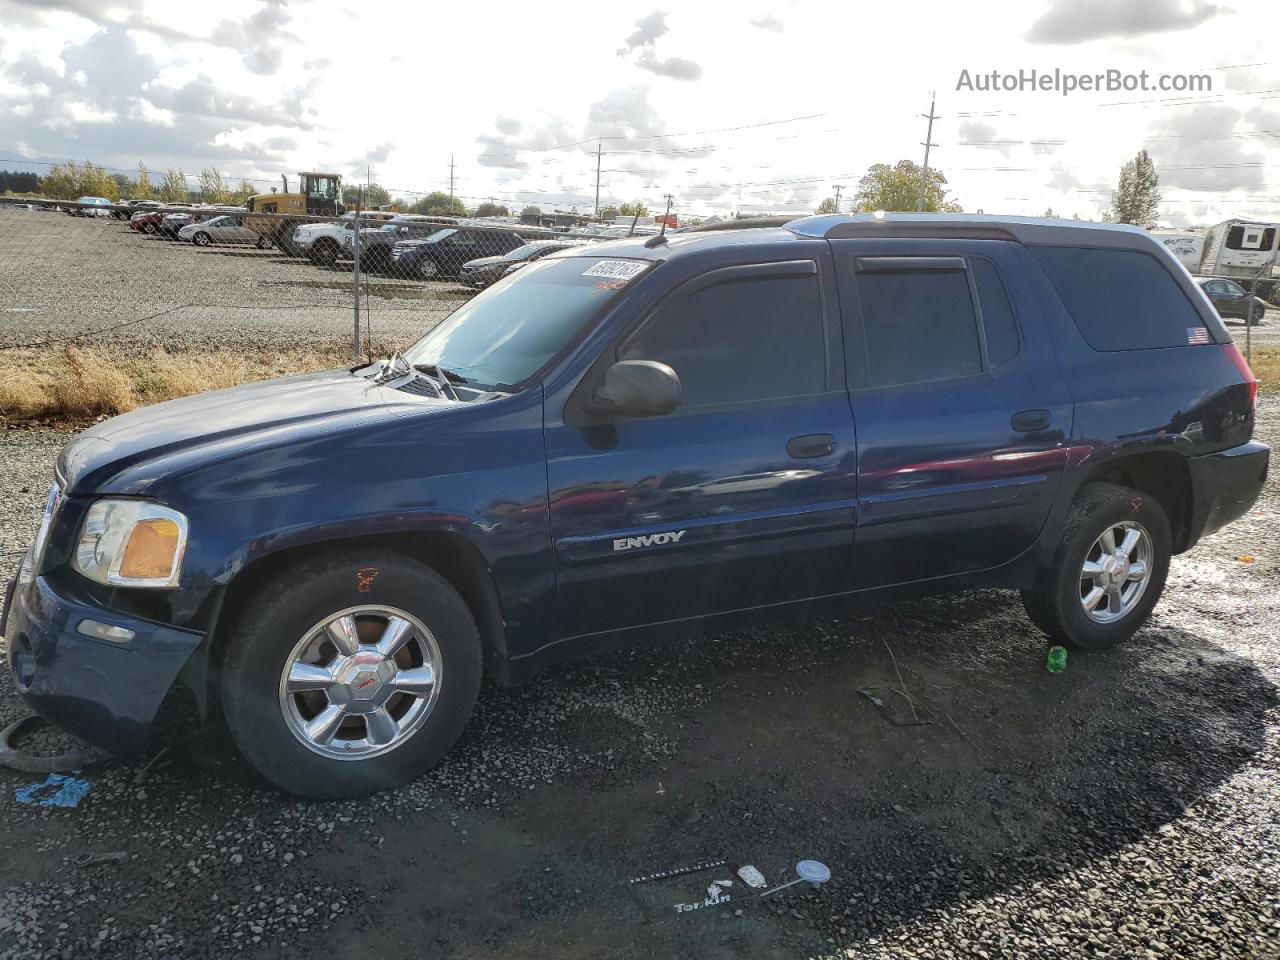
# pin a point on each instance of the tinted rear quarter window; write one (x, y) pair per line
(1119, 299)
(997, 313)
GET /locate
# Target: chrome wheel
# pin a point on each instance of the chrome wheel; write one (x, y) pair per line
(361, 682)
(427, 268)
(1116, 572)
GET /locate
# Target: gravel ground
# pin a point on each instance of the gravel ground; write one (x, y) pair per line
(52, 285)
(1127, 807)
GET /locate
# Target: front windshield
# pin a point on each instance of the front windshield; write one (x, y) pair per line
(508, 332)
(525, 252)
(441, 234)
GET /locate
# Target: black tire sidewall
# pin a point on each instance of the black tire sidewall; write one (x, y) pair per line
(1110, 505)
(277, 620)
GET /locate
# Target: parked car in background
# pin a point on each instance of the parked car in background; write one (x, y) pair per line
(94, 207)
(322, 242)
(376, 243)
(1232, 300)
(147, 221)
(443, 253)
(224, 229)
(486, 270)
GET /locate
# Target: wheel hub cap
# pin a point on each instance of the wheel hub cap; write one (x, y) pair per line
(360, 683)
(1116, 572)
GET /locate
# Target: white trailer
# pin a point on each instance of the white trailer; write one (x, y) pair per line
(1186, 245)
(1243, 249)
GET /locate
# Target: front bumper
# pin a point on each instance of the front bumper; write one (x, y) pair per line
(1225, 485)
(104, 692)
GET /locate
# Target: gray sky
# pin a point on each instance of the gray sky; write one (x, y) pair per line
(761, 105)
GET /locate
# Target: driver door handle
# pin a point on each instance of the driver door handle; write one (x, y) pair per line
(811, 445)
(1024, 421)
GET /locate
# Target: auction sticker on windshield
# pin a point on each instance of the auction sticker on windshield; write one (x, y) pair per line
(616, 269)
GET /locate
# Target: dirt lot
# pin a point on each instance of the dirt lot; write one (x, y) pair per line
(1125, 808)
(65, 276)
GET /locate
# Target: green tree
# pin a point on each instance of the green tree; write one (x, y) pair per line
(633, 210)
(492, 210)
(531, 211)
(240, 196)
(1049, 214)
(142, 188)
(884, 187)
(440, 205)
(609, 213)
(67, 181)
(214, 187)
(1137, 196)
(828, 206)
(173, 188)
(365, 196)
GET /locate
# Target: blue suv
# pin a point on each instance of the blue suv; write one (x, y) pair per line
(634, 439)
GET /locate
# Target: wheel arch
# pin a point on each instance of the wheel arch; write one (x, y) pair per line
(1160, 474)
(450, 554)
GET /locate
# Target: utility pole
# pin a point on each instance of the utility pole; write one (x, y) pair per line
(598, 179)
(451, 182)
(838, 187)
(928, 142)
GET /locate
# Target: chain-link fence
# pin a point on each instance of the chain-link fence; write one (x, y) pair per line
(182, 277)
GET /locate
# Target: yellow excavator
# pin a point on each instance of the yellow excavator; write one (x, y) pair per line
(277, 214)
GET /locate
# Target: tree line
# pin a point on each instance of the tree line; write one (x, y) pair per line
(1136, 199)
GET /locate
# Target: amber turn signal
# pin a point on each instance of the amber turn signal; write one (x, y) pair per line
(150, 552)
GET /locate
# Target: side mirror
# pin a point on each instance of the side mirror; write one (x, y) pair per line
(637, 388)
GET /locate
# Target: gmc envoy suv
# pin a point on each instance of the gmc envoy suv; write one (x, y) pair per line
(633, 439)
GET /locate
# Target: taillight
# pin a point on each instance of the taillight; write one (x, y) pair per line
(1241, 364)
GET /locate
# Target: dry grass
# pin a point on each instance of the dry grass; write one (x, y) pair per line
(77, 384)
(80, 383)
(1266, 367)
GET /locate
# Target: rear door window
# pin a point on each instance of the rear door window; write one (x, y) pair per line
(1119, 299)
(918, 324)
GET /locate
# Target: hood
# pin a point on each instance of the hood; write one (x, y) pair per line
(155, 440)
(482, 262)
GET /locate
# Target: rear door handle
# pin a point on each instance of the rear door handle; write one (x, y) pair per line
(1024, 421)
(811, 445)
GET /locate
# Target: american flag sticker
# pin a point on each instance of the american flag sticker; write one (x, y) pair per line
(1197, 335)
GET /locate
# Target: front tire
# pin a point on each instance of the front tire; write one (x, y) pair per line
(428, 269)
(351, 674)
(325, 254)
(1108, 571)
(201, 239)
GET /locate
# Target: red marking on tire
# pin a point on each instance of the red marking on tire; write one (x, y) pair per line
(364, 578)
(1136, 503)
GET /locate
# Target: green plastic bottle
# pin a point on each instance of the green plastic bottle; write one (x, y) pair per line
(1056, 662)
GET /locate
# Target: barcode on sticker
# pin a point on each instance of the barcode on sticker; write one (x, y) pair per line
(1197, 335)
(615, 269)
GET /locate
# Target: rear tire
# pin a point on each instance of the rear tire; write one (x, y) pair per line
(1065, 601)
(325, 254)
(262, 243)
(281, 641)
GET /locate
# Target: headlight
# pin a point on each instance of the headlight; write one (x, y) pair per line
(132, 543)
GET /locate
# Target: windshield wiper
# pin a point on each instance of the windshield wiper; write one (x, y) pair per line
(436, 370)
(441, 377)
